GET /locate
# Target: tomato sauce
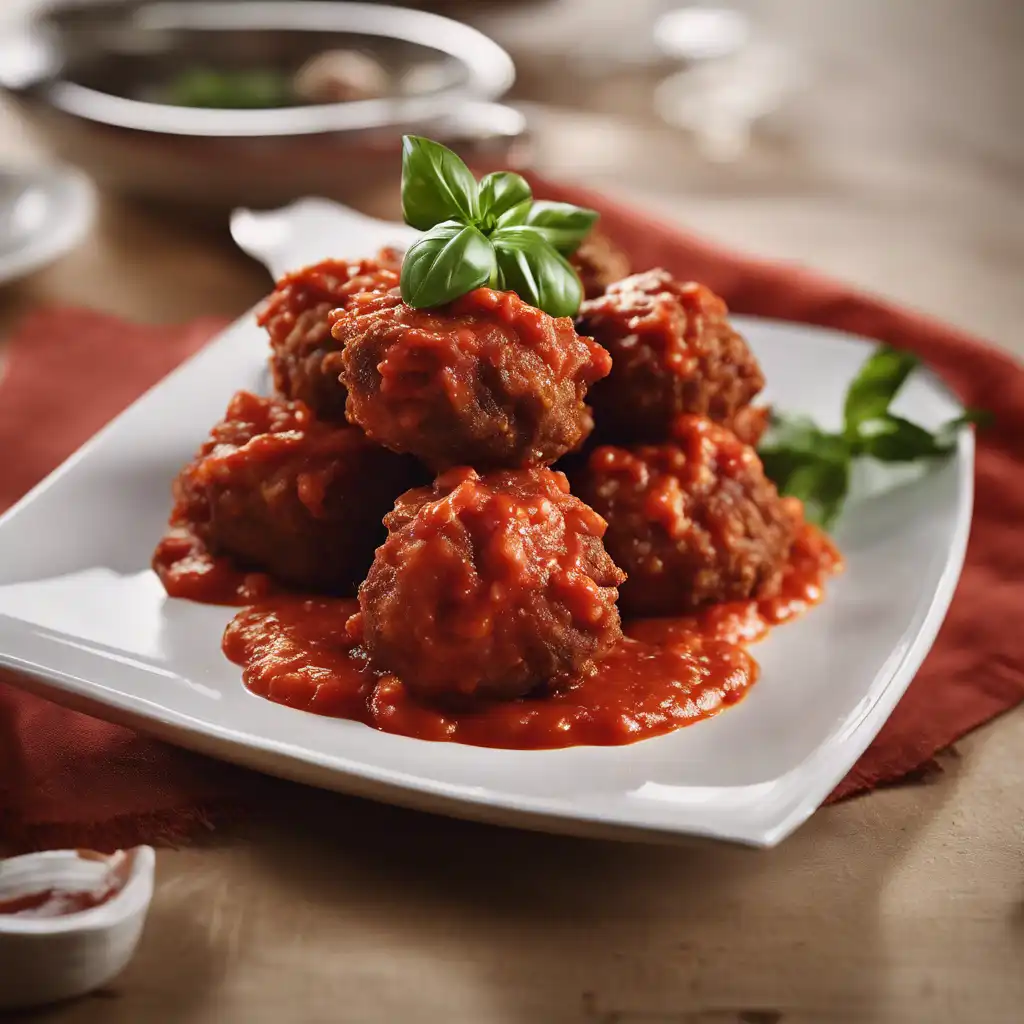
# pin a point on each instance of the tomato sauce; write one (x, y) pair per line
(188, 570)
(812, 559)
(297, 652)
(673, 351)
(484, 381)
(54, 901)
(665, 674)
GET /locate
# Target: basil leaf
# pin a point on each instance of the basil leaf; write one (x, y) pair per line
(536, 272)
(800, 436)
(516, 215)
(436, 185)
(822, 487)
(807, 463)
(448, 261)
(894, 439)
(969, 417)
(780, 465)
(499, 193)
(876, 385)
(562, 224)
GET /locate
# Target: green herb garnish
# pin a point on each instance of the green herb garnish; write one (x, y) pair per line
(230, 90)
(449, 260)
(489, 232)
(813, 465)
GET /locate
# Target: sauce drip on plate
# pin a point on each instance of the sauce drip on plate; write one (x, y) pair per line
(188, 570)
(665, 674)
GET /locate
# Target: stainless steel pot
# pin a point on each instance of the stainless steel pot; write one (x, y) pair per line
(82, 73)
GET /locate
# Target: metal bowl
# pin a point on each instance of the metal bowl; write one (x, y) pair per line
(84, 76)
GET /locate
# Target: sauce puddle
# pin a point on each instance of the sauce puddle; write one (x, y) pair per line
(188, 570)
(52, 903)
(666, 673)
(55, 901)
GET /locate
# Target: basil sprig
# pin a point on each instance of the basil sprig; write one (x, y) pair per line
(436, 185)
(536, 271)
(490, 232)
(451, 257)
(563, 225)
(814, 465)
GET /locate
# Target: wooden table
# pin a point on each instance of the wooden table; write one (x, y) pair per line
(901, 171)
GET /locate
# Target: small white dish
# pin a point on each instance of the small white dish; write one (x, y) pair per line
(84, 621)
(44, 959)
(44, 213)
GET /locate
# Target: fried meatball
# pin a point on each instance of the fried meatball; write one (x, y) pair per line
(673, 351)
(692, 523)
(599, 263)
(488, 586)
(304, 357)
(284, 493)
(486, 381)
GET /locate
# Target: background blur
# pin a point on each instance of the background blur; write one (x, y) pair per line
(881, 141)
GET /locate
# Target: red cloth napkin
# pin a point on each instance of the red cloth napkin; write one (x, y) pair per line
(68, 779)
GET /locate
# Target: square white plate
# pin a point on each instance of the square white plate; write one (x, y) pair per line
(85, 622)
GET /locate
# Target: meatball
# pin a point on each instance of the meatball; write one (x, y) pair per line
(486, 381)
(599, 263)
(488, 586)
(693, 522)
(673, 352)
(304, 357)
(281, 492)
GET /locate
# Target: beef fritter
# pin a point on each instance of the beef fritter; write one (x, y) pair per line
(673, 352)
(489, 586)
(599, 263)
(487, 381)
(278, 491)
(692, 522)
(305, 359)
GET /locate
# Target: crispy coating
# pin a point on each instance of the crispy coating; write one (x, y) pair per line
(281, 492)
(486, 381)
(692, 522)
(489, 586)
(599, 263)
(305, 360)
(673, 351)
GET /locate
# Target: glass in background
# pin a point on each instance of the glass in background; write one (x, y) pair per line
(730, 77)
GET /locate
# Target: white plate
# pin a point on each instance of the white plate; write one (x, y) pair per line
(43, 214)
(87, 623)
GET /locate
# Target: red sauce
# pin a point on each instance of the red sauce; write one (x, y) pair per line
(297, 652)
(812, 559)
(667, 673)
(188, 570)
(52, 903)
(57, 902)
(673, 351)
(485, 381)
